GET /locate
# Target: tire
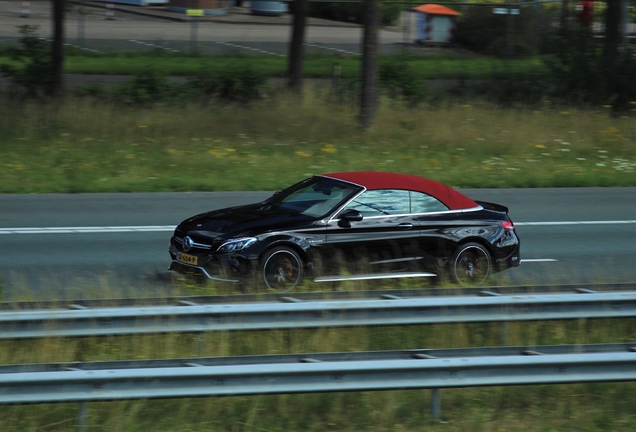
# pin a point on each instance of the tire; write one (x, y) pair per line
(470, 264)
(281, 269)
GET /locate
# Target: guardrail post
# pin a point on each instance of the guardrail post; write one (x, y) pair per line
(503, 332)
(83, 417)
(198, 344)
(436, 403)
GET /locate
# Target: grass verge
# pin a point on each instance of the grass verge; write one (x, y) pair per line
(89, 145)
(438, 66)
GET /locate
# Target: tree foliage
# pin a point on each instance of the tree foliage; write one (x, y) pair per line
(482, 31)
(30, 72)
(582, 73)
(237, 83)
(354, 12)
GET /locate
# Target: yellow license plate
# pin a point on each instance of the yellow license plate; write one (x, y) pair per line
(187, 259)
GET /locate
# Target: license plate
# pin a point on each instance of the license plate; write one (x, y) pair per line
(187, 259)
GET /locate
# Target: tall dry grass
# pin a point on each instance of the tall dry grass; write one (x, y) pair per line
(84, 145)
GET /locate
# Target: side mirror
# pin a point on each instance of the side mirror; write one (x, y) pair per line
(348, 216)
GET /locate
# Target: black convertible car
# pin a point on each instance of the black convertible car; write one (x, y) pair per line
(349, 225)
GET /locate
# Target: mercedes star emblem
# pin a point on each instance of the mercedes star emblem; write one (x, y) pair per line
(187, 243)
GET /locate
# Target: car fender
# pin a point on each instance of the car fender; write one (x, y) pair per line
(481, 241)
(299, 244)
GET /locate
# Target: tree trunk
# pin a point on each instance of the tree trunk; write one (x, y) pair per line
(296, 48)
(57, 81)
(612, 36)
(565, 17)
(369, 72)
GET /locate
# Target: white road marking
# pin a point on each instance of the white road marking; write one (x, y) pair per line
(77, 230)
(538, 260)
(166, 228)
(614, 222)
(249, 48)
(333, 49)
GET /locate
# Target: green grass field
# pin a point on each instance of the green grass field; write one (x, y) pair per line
(437, 66)
(85, 145)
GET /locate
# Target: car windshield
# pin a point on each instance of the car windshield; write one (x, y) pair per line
(316, 196)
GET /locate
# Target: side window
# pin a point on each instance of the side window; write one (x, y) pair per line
(381, 202)
(423, 203)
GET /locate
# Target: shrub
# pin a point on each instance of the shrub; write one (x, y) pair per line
(575, 68)
(623, 87)
(146, 88)
(480, 30)
(579, 76)
(32, 75)
(353, 12)
(240, 82)
(509, 89)
(398, 78)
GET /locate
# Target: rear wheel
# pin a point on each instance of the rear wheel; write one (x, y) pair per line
(470, 264)
(281, 269)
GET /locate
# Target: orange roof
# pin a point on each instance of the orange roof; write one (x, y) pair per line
(435, 9)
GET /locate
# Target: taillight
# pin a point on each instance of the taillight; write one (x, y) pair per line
(507, 225)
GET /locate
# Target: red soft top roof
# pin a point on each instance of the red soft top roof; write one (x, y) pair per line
(384, 180)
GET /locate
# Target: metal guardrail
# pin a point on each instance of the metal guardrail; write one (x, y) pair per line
(312, 373)
(293, 314)
(312, 296)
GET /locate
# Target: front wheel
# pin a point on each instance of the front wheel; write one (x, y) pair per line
(281, 269)
(470, 264)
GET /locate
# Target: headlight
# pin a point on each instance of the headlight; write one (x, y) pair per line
(236, 245)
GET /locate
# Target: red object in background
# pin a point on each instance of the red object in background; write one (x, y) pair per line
(586, 13)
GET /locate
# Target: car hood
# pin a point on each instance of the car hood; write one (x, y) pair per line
(243, 221)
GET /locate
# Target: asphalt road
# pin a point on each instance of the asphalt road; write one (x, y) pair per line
(237, 32)
(116, 244)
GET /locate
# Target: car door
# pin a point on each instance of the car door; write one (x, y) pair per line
(435, 223)
(384, 240)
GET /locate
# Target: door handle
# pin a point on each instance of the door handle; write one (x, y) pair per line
(405, 225)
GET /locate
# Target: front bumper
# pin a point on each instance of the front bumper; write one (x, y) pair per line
(182, 268)
(225, 268)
